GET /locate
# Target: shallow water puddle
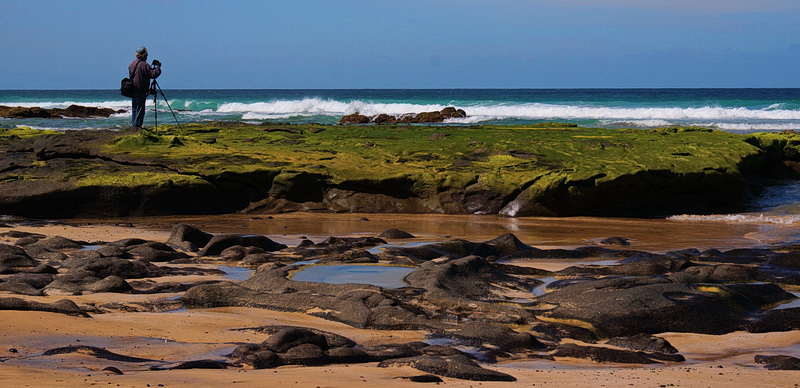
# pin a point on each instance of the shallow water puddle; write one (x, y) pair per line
(540, 289)
(385, 276)
(790, 304)
(236, 273)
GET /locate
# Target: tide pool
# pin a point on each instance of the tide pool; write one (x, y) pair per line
(378, 275)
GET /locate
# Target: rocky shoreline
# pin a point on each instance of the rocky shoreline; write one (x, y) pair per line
(472, 300)
(75, 111)
(549, 170)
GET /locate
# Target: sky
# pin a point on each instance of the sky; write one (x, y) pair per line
(324, 44)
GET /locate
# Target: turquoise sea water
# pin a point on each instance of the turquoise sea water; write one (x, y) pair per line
(741, 110)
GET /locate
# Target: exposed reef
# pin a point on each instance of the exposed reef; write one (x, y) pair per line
(549, 169)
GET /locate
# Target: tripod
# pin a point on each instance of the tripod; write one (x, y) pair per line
(155, 90)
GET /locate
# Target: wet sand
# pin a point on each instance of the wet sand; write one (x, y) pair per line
(712, 361)
(656, 235)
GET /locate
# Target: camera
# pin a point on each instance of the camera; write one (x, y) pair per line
(156, 62)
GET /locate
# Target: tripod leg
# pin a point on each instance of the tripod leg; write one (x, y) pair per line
(155, 111)
(158, 89)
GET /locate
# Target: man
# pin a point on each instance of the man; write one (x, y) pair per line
(141, 74)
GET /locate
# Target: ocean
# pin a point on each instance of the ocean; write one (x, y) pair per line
(740, 110)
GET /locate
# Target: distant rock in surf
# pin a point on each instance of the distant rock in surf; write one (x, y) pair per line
(18, 112)
(409, 118)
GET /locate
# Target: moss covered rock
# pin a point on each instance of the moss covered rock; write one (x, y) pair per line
(548, 169)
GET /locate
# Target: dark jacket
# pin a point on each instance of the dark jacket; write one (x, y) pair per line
(142, 74)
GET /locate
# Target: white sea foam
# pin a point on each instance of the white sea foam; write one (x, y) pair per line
(638, 123)
(728, 118)
(318, 107)
(755, 126)
(114, 104)
(546, 111)
(741, 218)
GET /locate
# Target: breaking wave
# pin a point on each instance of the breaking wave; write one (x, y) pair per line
(649, 115)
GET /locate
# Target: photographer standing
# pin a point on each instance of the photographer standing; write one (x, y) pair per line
(141, 74)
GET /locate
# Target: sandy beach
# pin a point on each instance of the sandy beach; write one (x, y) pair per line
(210, 333)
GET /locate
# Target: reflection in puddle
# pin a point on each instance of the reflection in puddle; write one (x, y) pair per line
(378, 275)
(540, 289)
(236, 273)
(790, 304)
(305, 262)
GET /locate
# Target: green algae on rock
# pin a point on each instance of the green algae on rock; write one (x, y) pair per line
(547, 169)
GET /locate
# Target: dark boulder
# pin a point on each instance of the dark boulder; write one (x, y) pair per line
(383, 118)
(194, 364)
(20, 288)
(353, 256)
(288, 338)
(41, 269)
(182, 233)
(643, 342)
(217, 244)
(391, 351)
(496, 336)
(423, 379)
(451, 112)
(304, 354)
(94, 352)
(555, 332)
(789, 260)
(109, 284)
(346, 243)
(736, 256)
(453, 249)
(64, 306)
(37, 280)
(48, 255)
(776, 320)
(262, 359)
(599, 354)
(755, 296)
(128, 242)
(151, 254)
(347, 355)
(354, 118)
(628, 306)
(77, 111)
(107, 266)
(455, 366)
(507, 244)
(722, 273)
(67, 287)
(395, 234)
(14, 257)
(778, 362)
(56, 243)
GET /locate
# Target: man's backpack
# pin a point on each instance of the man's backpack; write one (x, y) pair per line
(127, 88)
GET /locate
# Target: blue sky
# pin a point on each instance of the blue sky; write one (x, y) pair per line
(58, 44)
